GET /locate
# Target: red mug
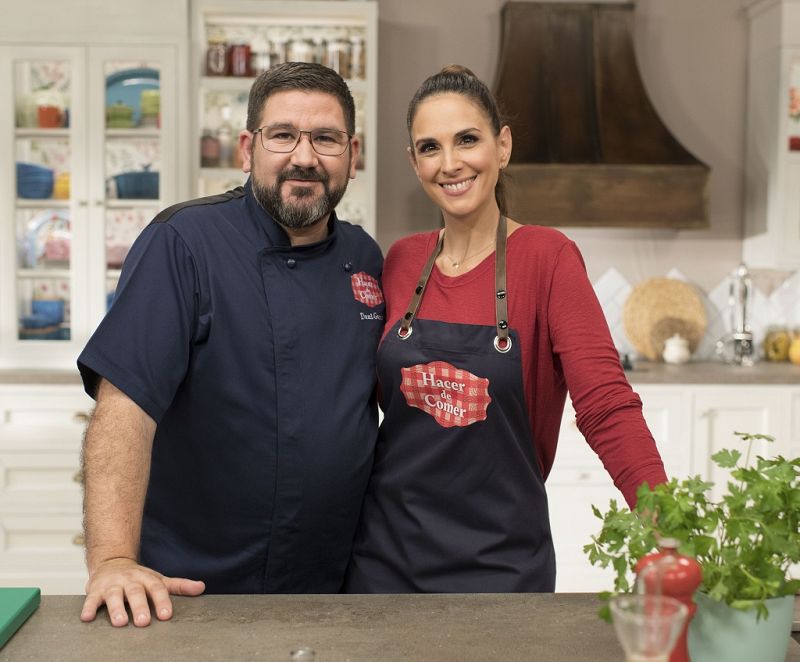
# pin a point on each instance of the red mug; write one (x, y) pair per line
(50, 117)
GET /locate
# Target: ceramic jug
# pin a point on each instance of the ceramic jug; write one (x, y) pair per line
(676, 349)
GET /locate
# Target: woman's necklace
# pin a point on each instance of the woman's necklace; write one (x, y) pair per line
(457, 263)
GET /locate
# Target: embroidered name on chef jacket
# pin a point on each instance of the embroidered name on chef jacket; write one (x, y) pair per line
(366, 289)
(454, 397)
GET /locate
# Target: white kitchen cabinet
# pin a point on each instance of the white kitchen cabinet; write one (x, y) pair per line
(340, 33)
(772, 210)
(61, 246)
(41, 532)
(689, 422)
(720, 411)
(579, 480)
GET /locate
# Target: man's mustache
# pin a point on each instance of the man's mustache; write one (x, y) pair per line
(302, 174)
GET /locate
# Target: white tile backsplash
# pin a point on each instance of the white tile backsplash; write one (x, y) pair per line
(780, 308)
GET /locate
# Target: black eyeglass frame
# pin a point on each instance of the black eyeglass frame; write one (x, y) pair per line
(300, 133)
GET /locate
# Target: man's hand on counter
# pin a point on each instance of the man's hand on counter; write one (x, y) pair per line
(116, 581)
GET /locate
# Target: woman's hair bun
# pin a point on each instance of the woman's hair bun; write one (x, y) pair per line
(456, 70)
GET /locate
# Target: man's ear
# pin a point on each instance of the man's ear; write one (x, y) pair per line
(246, 149)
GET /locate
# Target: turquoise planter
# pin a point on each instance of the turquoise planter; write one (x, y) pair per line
(718, 632)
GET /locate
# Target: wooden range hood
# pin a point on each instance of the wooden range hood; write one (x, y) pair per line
(589, 148)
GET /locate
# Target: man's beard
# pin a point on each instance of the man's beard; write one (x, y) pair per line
(298, 213)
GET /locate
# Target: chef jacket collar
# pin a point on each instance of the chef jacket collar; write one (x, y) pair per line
(275, 232)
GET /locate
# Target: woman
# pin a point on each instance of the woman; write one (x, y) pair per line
(488, 322)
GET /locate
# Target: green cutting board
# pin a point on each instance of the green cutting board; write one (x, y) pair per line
(16, 604)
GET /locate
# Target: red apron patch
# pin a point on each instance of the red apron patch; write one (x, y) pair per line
(366, 289)
(454, 397)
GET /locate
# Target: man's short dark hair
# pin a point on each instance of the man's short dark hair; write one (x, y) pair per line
(305, 76)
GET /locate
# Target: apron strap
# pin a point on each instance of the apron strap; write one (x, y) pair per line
(405, 329)
(502, 342)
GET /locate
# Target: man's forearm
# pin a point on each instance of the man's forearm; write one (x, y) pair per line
(116, 468)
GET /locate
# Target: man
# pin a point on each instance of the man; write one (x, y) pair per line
(234, 374)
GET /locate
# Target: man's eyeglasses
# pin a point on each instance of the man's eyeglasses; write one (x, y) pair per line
(325, 142)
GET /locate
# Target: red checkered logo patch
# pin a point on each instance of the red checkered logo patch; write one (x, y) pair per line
(452, 396)
(366, 289)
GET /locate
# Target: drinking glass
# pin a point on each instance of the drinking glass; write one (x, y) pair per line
(647, 626)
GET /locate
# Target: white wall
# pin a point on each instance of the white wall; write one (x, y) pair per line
(692, 56)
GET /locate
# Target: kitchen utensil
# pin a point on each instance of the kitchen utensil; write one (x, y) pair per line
(737, 346)
(647, 626)
(659, 308)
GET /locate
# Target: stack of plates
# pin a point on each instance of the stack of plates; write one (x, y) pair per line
(660, 308)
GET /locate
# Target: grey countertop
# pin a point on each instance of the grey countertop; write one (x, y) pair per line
(385, 628)
(714, 372)
(644, 372)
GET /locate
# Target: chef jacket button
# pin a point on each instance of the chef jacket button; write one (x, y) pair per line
(348, 266)
(291, 262)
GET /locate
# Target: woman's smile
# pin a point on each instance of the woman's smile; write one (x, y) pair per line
(458, 188)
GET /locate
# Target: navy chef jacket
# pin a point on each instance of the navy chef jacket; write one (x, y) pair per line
(256, 360)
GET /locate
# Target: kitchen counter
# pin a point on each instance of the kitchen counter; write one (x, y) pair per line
(714, 372)
(486, 627)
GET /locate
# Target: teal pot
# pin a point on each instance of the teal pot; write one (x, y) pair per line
(718, 632)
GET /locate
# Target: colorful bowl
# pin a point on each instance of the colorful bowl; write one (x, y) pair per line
(34, 181)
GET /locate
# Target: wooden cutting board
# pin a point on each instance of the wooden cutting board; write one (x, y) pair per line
(16, 604)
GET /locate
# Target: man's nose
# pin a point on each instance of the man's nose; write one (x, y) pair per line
(303, 153)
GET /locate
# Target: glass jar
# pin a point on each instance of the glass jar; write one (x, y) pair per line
(209, 150)
(240, 59)
(217, 58)
(259, 61)
(358, 60)
(300, 50)
(337, 57)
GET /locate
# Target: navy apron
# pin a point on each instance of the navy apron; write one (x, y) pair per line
(456, 500)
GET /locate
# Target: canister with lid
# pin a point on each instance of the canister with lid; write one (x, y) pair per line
(217, 58)
(240, 59)
(300, 50)
(337, 57)
(357, 57)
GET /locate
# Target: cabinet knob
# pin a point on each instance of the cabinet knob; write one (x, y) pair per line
(79, 539)
(83, 203)
(78, 477)
(81, 417)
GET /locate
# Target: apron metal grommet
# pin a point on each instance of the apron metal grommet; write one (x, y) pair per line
(407, 335)
(502, 350)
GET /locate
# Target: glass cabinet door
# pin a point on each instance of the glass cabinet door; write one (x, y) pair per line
(88, 139)
(40, 149)
(134, 152)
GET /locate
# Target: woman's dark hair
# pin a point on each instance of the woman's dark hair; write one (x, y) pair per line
(305, 76)
(457, 79)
